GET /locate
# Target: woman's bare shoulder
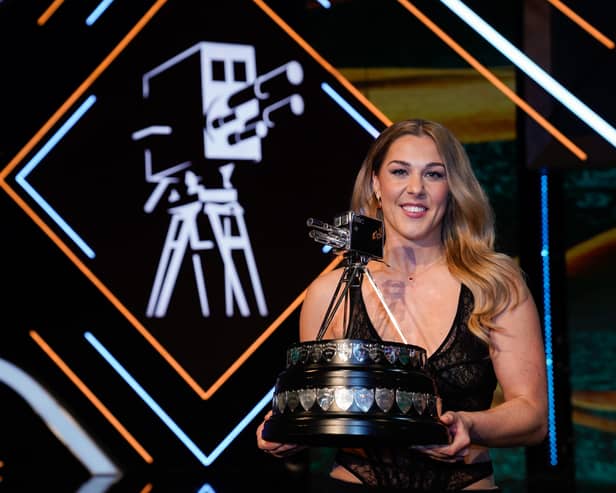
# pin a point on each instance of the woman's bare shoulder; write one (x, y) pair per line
(326, 279)
(317, 299)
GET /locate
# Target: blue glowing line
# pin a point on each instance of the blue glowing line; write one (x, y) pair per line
(525, 64)
(349, 109)
(355, 115)
(265, 400)
(141, 392)
(206, 488)
(547, 315)
(325, 3)
(147, 399)
(98, 11)
(38, 157)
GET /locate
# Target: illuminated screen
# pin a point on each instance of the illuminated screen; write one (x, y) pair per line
(178, 178)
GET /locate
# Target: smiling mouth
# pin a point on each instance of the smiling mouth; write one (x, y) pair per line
(414, 208)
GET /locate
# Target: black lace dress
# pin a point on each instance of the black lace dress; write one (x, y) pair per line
(465, 380)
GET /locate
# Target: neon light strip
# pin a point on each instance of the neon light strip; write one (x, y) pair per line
(349, 109)
(525, 64)
(84, 86)
(356, 116)
(206, 460)
(91, 397)
(501, 86)
(177, 431)
(595, 33)
(325, 3)
(57, 420)
(321, 61)
(547, 315)
(206, 488)
(49, 11)
(257, 409)
(38, 157)
(98, 11)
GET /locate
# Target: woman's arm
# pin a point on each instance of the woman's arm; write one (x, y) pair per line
(518, 356)
(519, 361)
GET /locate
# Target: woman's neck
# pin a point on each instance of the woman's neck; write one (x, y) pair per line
(413, 258)
(413, 261)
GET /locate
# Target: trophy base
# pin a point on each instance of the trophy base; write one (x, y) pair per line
(355, 431)
(355, 392)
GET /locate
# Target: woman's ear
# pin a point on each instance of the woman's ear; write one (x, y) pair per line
(376, 186)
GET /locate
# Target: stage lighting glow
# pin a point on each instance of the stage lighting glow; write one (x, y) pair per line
(349, 109)
(96, 402)
(98, 11)
(206, 460)
(547, 315)
(38, 157)
(495, 81)
(152, 404)
(594, 32)
(553, 87)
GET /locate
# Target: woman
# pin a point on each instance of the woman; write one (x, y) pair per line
(450, 293)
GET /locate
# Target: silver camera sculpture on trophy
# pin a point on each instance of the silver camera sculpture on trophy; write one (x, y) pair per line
(351, 391)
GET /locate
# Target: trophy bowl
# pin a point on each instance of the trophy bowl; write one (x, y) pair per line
(355, 392)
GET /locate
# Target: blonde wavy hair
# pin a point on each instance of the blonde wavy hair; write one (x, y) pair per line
(468, 225)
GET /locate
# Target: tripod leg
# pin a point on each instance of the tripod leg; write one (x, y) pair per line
(382, 300)
(347, 276)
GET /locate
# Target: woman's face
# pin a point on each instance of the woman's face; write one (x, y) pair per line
(412, 183)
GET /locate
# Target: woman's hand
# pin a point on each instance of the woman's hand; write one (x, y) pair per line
(459, 430)
(274, 448)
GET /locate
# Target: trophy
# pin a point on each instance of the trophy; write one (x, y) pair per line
(352, 391)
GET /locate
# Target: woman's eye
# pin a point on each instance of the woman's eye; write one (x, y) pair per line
(399, 171)
(436, 175)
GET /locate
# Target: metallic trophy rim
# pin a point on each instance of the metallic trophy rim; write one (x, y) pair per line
(352, 391)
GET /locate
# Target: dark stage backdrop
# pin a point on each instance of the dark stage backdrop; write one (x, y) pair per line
(158, 163)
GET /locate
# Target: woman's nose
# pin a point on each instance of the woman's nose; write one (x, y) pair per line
(415, 185)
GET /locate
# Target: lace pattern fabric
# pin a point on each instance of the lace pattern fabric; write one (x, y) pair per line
(465, 379)
(410, 470)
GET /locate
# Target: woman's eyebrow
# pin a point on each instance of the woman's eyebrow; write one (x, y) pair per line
(431, 164)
